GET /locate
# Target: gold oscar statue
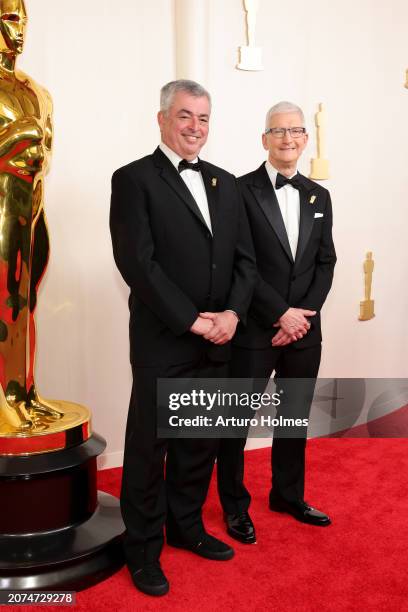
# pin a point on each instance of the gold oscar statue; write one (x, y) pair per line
(367, 305)
(56, 529)
(320, 165)
(25, 151)
(250, 55)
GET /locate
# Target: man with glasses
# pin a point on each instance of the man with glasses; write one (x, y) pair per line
(291, 223)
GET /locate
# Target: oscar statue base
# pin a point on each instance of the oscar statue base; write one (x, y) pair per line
(250, 58)
(366, 310)
(320, 169)
(71, 426)
(56, 531)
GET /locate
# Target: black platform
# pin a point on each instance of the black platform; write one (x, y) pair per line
(55, 530)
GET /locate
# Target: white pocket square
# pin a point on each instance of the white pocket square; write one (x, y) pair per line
(317, 215)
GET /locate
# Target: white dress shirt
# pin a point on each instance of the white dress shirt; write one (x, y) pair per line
(194, 182)
(289, 204)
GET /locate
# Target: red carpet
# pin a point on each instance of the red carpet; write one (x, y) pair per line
(358, 563)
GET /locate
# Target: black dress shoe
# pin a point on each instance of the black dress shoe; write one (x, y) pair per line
(240, 527)
(208, 547)
(150, 579)
(301, 511)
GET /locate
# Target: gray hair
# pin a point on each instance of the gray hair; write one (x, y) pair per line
(169, 90)
(283, 107)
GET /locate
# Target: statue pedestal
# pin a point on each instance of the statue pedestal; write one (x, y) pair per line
(56, 530)
(47, 433)
(320, 169)
(250, 58)
(366, 310)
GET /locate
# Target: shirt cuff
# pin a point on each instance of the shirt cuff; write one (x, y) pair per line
(233, 312)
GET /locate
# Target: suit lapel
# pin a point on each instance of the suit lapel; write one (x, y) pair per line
(306, 220)
(212, 191)
(265, 196)
(170, 175)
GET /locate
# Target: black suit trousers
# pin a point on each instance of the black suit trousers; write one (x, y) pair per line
(148, 498)
(288, 453)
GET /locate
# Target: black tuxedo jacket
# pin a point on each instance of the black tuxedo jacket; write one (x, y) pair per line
(284, 282)
(173, 265)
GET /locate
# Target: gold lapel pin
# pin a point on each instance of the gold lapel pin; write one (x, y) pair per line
(312, 199)
(214, 182)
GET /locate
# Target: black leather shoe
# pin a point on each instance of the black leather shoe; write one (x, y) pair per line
(208, 547)
(240, 527)
(301, 511)
(150, 579)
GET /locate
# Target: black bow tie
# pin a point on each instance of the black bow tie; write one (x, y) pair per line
(186, 165)
(282, 180)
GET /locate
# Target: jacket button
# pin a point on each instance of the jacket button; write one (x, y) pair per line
(208, 235)
(214, 266)
(293, 277)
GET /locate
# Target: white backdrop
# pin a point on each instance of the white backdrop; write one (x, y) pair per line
(104, 64)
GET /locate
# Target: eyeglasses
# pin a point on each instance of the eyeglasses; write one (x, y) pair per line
(295, 132)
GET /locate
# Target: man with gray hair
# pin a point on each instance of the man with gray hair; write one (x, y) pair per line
(182, 243)
(291, 224)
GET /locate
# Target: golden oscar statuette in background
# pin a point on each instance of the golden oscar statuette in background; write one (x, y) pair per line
(367, 305)
(320, 165)
(28, 423)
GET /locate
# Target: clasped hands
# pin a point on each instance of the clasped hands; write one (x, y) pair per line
(217, 327)
(293, 325)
